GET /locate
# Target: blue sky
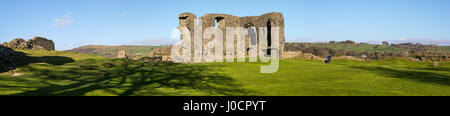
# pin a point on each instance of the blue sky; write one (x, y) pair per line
(73, 23)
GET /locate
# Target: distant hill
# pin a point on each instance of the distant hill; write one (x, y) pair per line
(372, 51)
(358, 48)
(111, 51)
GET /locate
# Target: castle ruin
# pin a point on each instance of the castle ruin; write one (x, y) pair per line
(36, 43)
(221, 21)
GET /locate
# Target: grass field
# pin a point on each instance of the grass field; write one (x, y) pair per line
(442, 49)
(90, 75)
(111, 51)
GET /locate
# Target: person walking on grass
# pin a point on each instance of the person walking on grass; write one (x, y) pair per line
(328, 60)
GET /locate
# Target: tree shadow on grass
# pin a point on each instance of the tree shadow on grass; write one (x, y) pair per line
(419, 76)
(132, 78)
(13, 59)
(431, 68)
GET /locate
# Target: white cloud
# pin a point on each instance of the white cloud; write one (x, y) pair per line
(63, 21)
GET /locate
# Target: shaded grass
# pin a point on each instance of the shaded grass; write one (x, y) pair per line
(122, 77)
(18, 58)
(72, 55)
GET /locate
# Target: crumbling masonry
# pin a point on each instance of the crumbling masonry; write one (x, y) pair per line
(222, 21)
(36, 43)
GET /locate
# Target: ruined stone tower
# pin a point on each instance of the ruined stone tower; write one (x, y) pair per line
(122, 54)
(222, 21)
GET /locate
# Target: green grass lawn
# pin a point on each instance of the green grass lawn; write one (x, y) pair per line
(111, 51)
(90, 75)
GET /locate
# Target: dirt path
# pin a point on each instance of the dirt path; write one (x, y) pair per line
(17, 74)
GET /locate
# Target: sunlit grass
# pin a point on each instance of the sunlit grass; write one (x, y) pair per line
(91, 75)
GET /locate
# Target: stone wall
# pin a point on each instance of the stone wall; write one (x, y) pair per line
(122, 54)
(17, 43)
(433, 57)
(222, 21)
(37, 43)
